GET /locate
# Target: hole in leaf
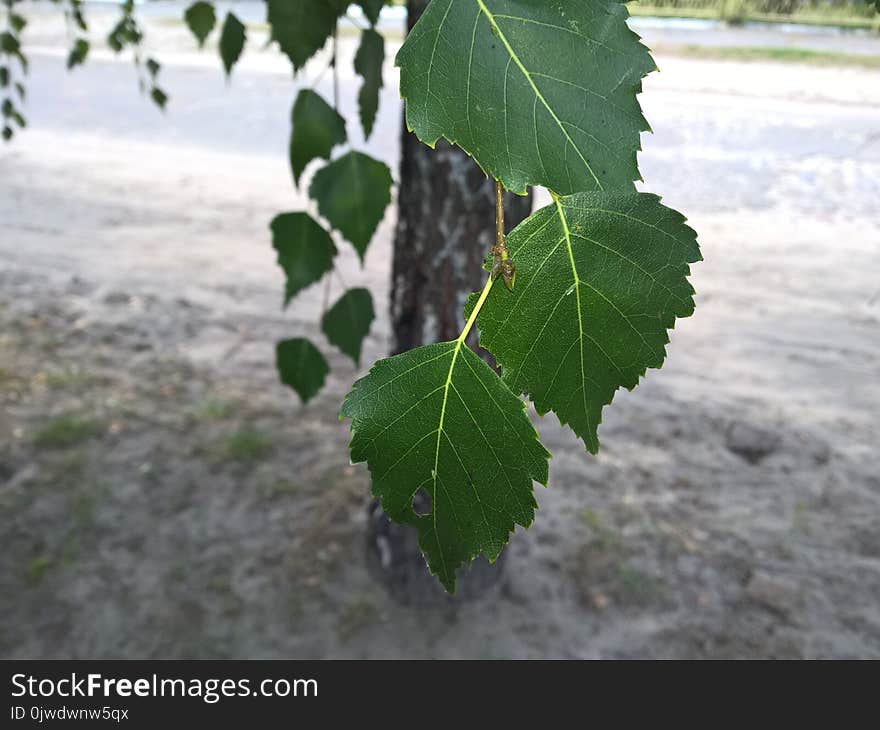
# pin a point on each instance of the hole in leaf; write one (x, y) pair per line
(421, 503)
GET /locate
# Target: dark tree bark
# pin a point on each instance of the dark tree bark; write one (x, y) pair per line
(446, 224)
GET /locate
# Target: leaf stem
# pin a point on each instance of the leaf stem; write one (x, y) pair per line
(484, 295)
(500, 240)
(502, 265)
(326, 303)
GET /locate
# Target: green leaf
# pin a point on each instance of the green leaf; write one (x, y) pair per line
(7, 133)
(305, 251)
(17, 22)
(77, 14)
(347, 322)
(78, 53)
(368, 63)
(317, 129)
(232, 40)
(4, 76)
(301, 366)
(114, 40)
(126, 32)
(601, 277)
(437, 419)
(153, 67)
(201, 19)
(352, 193)
(159, 97)
(9, 43)
(372, 8)
(302, 28)
(539, 93)
(8, 110)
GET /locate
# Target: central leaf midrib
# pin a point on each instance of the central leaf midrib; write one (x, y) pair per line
(459, 343)
(436, 472)
(443, 408)
(577, 291)
(513, 55)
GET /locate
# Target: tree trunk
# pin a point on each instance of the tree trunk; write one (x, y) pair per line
(446, 224)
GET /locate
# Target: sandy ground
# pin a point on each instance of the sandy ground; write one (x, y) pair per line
(161, 495)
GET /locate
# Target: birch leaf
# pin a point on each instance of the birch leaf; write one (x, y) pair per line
(347, 322)
(302, 28)
(437, 419)
(232, 40)
(201, 19)
(352, 193)
(601, 278)
(305, 251)
(301, 366)
(368, 64)
(317, 129)
(538, 93)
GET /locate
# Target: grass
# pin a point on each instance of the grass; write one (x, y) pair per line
(354, 617)
(608, 539)
(740, 12)
(637, 9)
(37, 569)
(635, 586)
(213, 410)
(246, 445)
(68, 467)
(10, 380)
(782, 55)
(71, 376)
(603, 572)
(66, 430)
(282, 488)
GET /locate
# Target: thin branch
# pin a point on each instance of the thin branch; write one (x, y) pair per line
(326, 305)
(340, 277)
(335, 64)
(502, 265)
(500, 239)
(317, 80)
(354, 21)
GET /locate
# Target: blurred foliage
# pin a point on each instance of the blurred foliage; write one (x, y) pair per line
(354, 183)
(13, 67)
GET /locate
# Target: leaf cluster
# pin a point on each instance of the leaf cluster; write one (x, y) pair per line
(349, 192)
(539, 94)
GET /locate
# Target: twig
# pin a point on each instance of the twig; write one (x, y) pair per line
(503, 265)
